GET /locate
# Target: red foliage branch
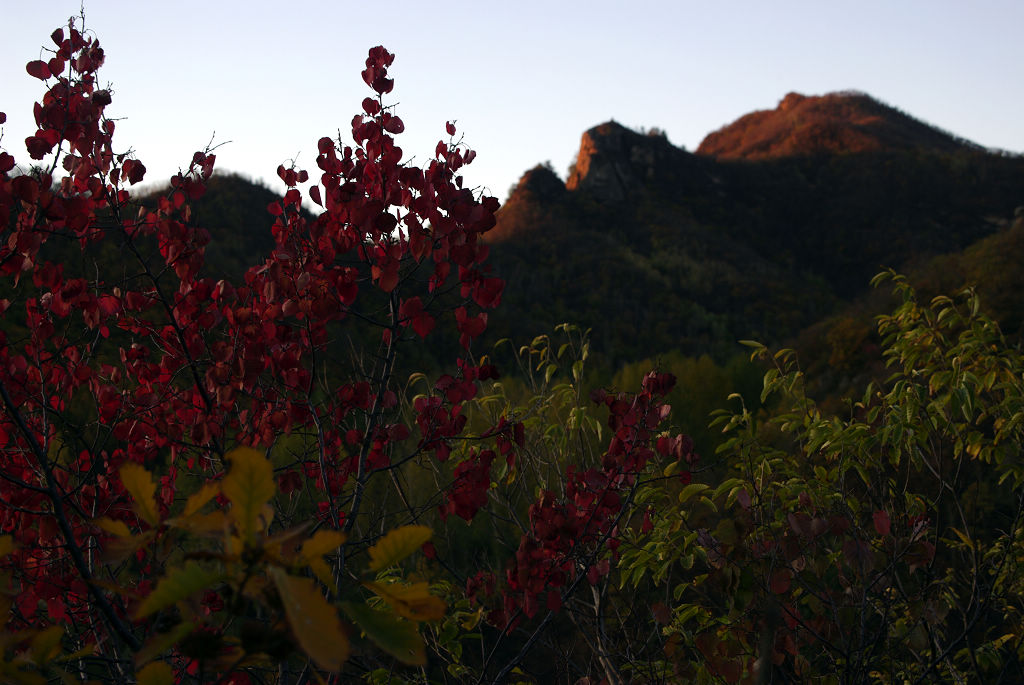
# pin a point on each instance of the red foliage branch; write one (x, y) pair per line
(162, 365)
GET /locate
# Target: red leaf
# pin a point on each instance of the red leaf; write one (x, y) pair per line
(57, 37)
(411, 312)
(387, 278)
(6, 162)
(450, 127)
(488, 291)
(882, 523)
(37, 147)
(39, 69)
(3, 118)
(781, 581)
(371, 106)
(314, 194)
(137, 172)
(393, 124)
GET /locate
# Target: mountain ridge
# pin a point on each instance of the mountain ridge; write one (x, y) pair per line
(834, 123)
(701, 249)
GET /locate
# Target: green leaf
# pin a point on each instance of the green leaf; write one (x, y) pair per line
(139, 483)
(397, 545)
(178, 584)
(198, 499)
(314, 622)
(691, 490)
(156, 673)
(395, 636)
(249, 485)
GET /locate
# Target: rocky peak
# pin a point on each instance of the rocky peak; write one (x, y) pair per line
(542, 182)
(539, 195)
(613, 160)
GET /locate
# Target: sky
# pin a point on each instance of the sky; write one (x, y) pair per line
(522, 79)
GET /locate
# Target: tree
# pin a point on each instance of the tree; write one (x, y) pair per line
(199, 474)
(880, 546)
(135, 392)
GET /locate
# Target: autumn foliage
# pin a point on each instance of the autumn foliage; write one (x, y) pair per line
(200, 476)
(207, 480)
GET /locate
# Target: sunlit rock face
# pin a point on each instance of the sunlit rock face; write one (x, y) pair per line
(614, 160)
(536, 203)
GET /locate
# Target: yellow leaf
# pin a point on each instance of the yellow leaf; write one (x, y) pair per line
(156, 673)
(178, 584)
(46, 645)
(473, 619)
(117, 528)
(249, 485)
(115, 588)
(138, 481)
(314, 549)
(88, 650)
(413, 601)
(196, 500)
(397, 545)
(287, 540)
(323, 572)
(315, 623)
(119, 549)
(282, 548)
(158, 643)
(322, 542)
(200, 524)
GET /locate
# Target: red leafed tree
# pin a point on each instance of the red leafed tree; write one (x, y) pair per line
(153, 363)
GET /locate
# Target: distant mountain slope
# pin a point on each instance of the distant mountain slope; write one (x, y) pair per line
(840, 352)
(836, 123)
(234, 211)
(656, 248)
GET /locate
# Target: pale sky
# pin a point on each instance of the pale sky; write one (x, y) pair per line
(523, 79)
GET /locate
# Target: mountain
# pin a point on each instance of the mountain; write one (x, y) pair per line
(761, 232)
(837, 123)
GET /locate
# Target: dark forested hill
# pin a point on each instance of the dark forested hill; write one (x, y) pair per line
(767, 230)
(659, 249)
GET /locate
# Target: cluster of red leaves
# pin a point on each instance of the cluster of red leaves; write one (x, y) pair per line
(166, 366)
(570, 533)
(162, 366)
